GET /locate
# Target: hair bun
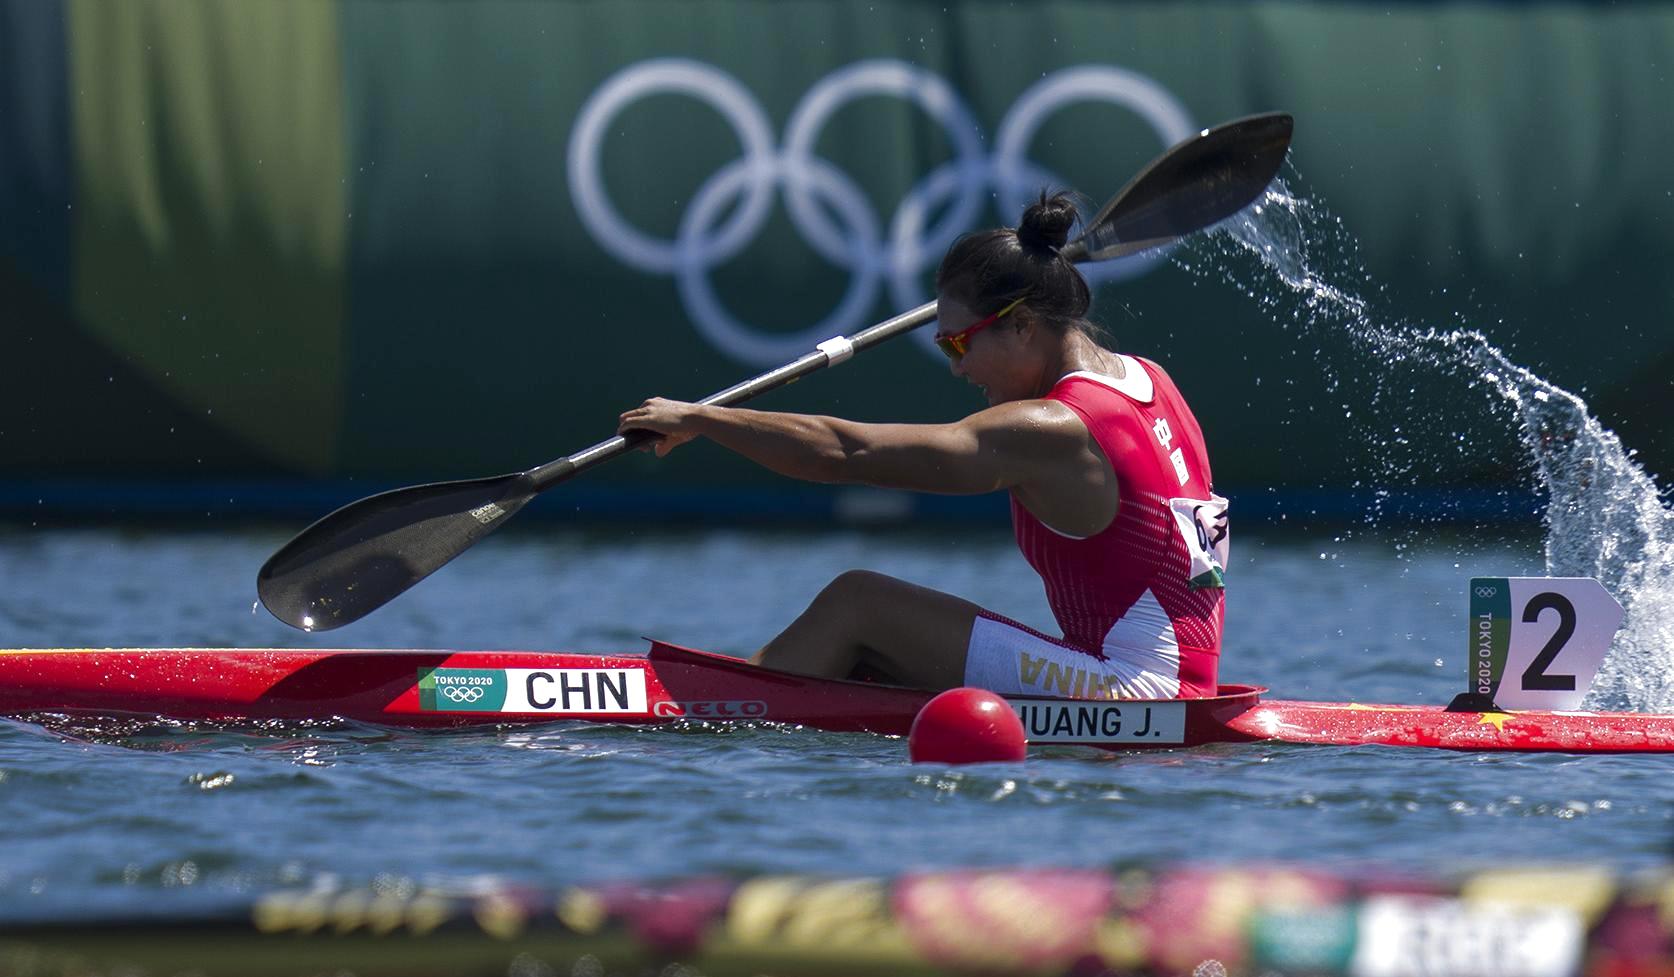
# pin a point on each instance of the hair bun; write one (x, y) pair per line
(1047, 222)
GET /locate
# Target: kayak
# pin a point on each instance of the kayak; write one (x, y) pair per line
(668, 684)
(466, 688)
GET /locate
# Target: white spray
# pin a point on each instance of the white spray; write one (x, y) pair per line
(1604, 516)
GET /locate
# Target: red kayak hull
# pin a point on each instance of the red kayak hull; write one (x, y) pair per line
(439, 689)
(1354, 724)
(430, 689)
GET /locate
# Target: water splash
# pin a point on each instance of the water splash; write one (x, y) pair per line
(1604, 516)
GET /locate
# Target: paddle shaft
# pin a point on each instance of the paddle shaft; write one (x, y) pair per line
(832, 352)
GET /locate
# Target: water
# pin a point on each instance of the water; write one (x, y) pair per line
(105, 817)
(102, 817)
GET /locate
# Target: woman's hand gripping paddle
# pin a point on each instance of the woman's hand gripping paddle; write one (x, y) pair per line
(362, 556)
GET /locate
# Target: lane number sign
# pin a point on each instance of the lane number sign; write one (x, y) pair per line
(1537, 642)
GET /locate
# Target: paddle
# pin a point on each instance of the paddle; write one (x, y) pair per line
(362, 556)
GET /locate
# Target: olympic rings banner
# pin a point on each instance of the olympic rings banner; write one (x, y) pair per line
(402, 240)
(831, 213)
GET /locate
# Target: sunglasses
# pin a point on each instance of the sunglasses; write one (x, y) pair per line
(955, 344)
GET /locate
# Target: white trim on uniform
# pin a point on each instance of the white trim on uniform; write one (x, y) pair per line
(1143, 638)
(1060, 532)
(1134, 382)
(1142, 658)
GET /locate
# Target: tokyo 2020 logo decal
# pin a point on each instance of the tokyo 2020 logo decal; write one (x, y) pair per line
(827, 208)
(455, 693)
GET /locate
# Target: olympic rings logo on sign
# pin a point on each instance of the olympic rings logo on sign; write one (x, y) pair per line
(457, 693)
(1487, 591)
(826, 206)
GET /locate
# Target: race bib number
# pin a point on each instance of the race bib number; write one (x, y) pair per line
(1203, 526)
(1537, 642)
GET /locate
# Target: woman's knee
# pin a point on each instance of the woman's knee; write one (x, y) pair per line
(853, 588)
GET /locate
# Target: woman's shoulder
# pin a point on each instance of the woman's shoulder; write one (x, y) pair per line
(1042, 420)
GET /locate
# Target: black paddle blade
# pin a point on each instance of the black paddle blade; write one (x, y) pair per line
(362, 556)
(1194, 185)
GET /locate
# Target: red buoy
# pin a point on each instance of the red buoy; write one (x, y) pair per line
(966, 726)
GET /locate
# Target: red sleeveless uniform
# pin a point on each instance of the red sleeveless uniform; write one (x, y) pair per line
(1145, 597)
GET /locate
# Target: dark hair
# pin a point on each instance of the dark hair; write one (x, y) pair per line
(987, 269)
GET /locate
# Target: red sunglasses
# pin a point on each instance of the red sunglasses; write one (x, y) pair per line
(955, 344)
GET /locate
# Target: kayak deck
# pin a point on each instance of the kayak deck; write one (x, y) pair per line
(429, 689)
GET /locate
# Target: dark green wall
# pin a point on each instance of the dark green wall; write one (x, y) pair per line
(336, 239)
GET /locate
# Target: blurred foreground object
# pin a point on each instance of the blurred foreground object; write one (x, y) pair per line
(1267, 919)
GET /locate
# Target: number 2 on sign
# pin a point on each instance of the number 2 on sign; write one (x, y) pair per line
(1535, 677)
(1537, 642)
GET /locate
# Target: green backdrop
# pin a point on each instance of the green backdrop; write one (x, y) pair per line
(334, 240)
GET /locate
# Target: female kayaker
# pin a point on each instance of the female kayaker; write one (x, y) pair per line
(1110, 488)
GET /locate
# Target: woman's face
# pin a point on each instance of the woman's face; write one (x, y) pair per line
(996, 357)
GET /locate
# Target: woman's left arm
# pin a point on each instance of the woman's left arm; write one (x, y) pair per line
(998, 448)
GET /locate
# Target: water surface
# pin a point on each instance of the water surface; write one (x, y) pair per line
(104, 817)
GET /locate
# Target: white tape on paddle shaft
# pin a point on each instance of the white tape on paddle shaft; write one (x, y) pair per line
(836, 350)
(1537, 642)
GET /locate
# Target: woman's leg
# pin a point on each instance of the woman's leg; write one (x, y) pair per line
(916, 635)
